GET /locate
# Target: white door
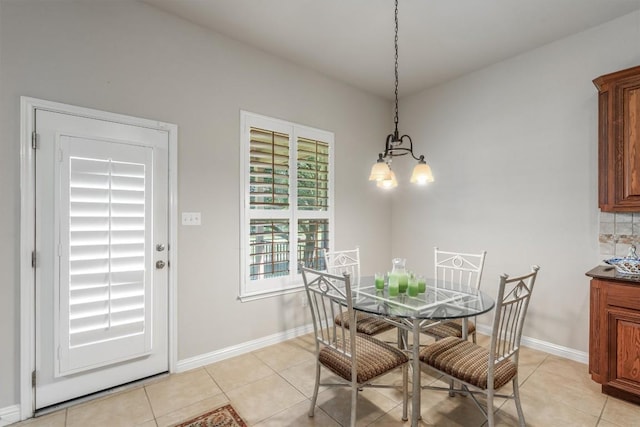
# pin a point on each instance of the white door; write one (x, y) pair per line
(101, 275)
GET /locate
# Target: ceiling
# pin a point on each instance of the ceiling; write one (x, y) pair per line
(439, 40)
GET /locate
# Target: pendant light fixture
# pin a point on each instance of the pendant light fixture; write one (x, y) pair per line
(381, 171)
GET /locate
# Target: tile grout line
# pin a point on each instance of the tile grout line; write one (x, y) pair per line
(149, 402)
(500, 408)
(187, 404)
(606, 400)
(223, 392)
(155, 419)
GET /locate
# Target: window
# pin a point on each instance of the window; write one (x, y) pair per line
(287, 202)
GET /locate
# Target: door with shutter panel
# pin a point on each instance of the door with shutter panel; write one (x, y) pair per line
(101, 227)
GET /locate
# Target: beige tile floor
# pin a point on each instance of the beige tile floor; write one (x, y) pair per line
(271, 387)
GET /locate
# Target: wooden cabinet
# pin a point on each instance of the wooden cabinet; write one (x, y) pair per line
(614, 340)
(619, 141)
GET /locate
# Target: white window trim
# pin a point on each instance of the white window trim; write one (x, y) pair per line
(257, 289)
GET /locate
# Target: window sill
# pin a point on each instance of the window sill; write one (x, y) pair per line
(270, 294)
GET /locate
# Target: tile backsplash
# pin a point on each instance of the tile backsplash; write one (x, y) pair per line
(618, 231)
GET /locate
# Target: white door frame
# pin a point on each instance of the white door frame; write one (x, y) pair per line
(27, 232)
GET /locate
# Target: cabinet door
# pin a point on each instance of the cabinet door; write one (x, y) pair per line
(597, 336)
(627, 138)
(619, 141)
(624, 351)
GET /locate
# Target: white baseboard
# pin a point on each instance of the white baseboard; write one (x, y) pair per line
(237, 350)
(249, 346)
(547, 347)
(9, 415)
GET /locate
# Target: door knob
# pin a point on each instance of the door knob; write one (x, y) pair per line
(160, 264)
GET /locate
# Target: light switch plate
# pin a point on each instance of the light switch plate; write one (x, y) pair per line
(190, 218)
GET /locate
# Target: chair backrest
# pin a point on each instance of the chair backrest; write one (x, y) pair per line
(512, 303)
(340, 262)
(459, 268)
(328, 295)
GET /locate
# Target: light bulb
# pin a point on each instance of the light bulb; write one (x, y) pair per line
(389, 183)
(421, 174)
(380, 171)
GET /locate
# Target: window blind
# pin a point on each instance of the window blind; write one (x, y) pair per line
(106, 250)
(313, 174)
(269, 169)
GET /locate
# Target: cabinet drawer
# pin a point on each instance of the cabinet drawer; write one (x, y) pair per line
(624, 296)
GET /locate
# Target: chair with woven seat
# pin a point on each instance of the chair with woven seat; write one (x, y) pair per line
(348, 261)
(463, 270)
(482, 370)
(356, 358)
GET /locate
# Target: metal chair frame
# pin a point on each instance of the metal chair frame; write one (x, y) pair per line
(328, 295)
(340, 262)
(512, 302)
(348, 261)
(464, 269)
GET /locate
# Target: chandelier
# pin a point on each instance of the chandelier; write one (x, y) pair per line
(381, 170)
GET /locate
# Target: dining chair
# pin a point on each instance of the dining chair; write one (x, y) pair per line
(482, 370)
(348, 261)
(356, 358)
(464, 270)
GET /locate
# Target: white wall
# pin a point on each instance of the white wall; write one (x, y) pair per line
(513, 148)
(131, 58)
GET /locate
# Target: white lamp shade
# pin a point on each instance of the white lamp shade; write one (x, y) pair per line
(390, 182)
(421, 174)
(380, 171)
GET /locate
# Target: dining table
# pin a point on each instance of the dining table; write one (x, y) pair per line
(440, 302)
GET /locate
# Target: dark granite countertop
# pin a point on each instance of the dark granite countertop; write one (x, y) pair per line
(608, 272)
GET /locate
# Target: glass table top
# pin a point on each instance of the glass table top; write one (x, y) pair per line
(446, 301)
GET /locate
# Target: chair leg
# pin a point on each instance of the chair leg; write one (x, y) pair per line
(490, 415)
(405, 391)
(402, 339)
(315, 390)
(473, 337)
(354, 401)
(516, 397)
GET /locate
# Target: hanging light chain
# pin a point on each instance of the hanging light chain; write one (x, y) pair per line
(396, 70)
